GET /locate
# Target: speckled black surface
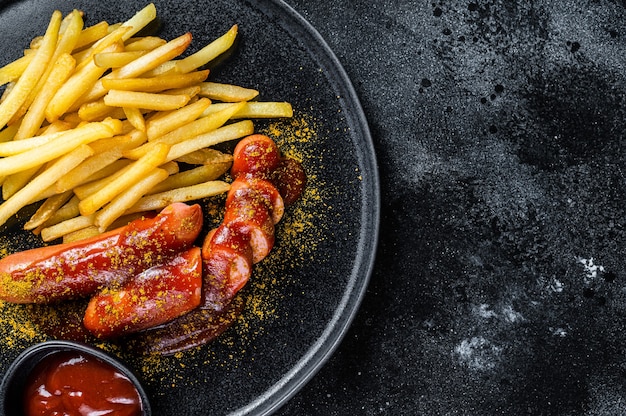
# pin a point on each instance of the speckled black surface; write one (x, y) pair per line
(499, 285)
(500, 282)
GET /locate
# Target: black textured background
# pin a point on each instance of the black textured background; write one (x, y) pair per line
(500, 286)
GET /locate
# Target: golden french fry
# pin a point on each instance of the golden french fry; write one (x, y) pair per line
(68, 226)
(116, 59)
(158, 126)
(13, 70)
(65, 142)
(13, 183)
(81, 234)
(106, 152)
(29, 78)
(256, 109)
(146, 100)
(155, 57)
(92, 34)
(35, 115)
(230, 132)
(9, 133)
(95, 110)
(191, 177)
(47, 209)
(14, 147)
(227, 92)
(30, 192)
(127, 198)
(208, 53)
(206, 156)
(157, 83)
(67, 211)
(134, 116)
(135, 171)
(200, 126)
(78, 84)
(145, 43)
(189, 193)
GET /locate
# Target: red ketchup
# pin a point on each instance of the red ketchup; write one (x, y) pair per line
(73, 383)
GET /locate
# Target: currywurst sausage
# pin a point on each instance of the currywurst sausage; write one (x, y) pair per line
(72, 270)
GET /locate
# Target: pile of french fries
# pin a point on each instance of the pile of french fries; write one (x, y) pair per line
(104, 125)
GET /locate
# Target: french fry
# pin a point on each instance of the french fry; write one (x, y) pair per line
(92, 34)
(191, 177)
(206, 156)
(81, 234)
(190, 193)
(13, 183)
(65, 142)
(95, 110)
(35, 115)
(8, 133)
(77, 85)
(68, 226)
(146, 100)
(208, 53)
(159, 126)
(137, 170)
(28, 80)
(47, 209)
(13, 70)
(134, 116)
(30, 192)
(230, 132)
(146, 43)
(256, 109)
(227, 92)
(106, 152)
(14, 147)
(126, 199)
(158, 83)
(200, 126)
(116, 59)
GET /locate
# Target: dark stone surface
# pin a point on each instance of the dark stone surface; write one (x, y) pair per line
(500, 286)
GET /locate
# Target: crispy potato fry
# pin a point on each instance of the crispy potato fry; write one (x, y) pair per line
(205, 156)
(158, 126)
(78, 84)
(256, 109)
(61, 71)
(127, 198)
(190, 193)
(31, 191)
(68, 226)
(106, 152)
(134, 116)
(13, 183)
(9, 133)
(158, 83)
(65, 142)
(47, 209)
(200, 126)
(151, 160)
(13, 70)
(116, 59)
(147, 100)
(81, 234)
(146, 43)
(230, 132)
(208, 53)
(191, 177)
(227, 92)
(29, 78)
(92, 34)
